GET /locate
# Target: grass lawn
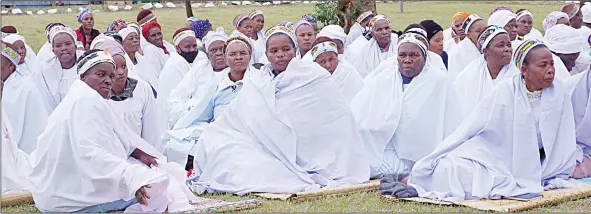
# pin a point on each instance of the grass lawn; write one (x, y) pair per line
(32, 27)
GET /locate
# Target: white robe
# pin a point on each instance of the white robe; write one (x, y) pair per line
(534, 34)
(26, 111)
(45, 53)
(475, 82)
(388, 114)
(259, 47)
(89, 151)
(142, 70)
(494, 152)
(139, 114)
(348, 79)
(270, 137)
(352, 51)
(156, 57)
(370, 56)
(28, 67)
(460, 57)
(355, 32)
(172, 73)
(15, 163)
(580, 85)
(54, 82)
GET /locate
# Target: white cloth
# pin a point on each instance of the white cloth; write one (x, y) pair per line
(348, 79)
(388, 114)
(580, 85)
(139, 114)
(564, 39)
(449, 45)
(174, 71)
(495, 150)
(352, 50)
(156, 56)
(447, 34)
(333, 32)
(534, 34)
(15, 163)
(44, 53)
(88, 141)
(54, 82)
(370, 55)
(259, 46)
(269, 136)
(26, 111)
(475, 82)
(143, 70)
(355, 32)
(460, 57)
(501, 18)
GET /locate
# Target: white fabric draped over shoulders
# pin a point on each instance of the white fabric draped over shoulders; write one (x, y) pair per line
(172, 73)
(495, 151)
(45, 53)
(142, 70)
(560, 71)
(348, 79)
(15, 163)
(156, 57)
(580, 85)
(475, 82)
(355, 32)
(370, 55)
(53, 81)
(460, 57)
(270, 137)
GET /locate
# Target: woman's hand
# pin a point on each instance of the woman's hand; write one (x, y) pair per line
(144, 158)
(141, 195)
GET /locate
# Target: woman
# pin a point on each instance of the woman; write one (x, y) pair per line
(274, 120)
(131, 99)
(245, 27)
(56, 74)
(466, 50)
(9, 30)
(180, 148)
(86, 32)
(116, 26)
(380, 47)
(555, 18)
(201, 27)
(26, 64)
(506, 20)
(566, 44)
(359, 28)
(454, 34)
(45, 51)
(258, 36)
(518, 140)
(325, 53)
(492, 67)
(525, 28)
(581, 100)
(435, 38)
(305, 35)
(139, 68)
(575, 15)
(156, 50)
(121, 171)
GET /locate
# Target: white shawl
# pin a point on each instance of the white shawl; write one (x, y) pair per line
(560, 70)
(352, 51)
(48, 80)
(45, 53)
(355, 32)
(270, 137)
(348, 79)
(172, 73)
(386, 113)
(142, 70)
(475, 82)
(460, 57)
(88, 141)
(156, 56)
(494, 152)
(370, 55)
(15, 163)
(581, 99)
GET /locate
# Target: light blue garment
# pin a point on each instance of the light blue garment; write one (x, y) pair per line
(114, 206)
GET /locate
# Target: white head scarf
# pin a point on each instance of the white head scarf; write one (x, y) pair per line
(564, 39)
(12, 38)
(61, 29)
(333, 32)
(182, 35)
(552, 18)
(213, 36)
(501, 18)
(126, 31)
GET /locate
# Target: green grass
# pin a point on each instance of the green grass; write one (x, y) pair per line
(32, 27)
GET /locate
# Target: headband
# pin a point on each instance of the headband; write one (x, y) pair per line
(11, 54)
(61, 29)
(364, 16)
(375, 20)
(279, 29)
(286, 24)
(523, 13)
(255, 13)
(239, 19)
(126, 31)
(237, 41)
(213, 36)
(323, 47)
(487, 35)
(116, 25)
(469, 21)
(83, 13)
(413, 38)
(93, 59)
(148, 18)
(12, 38)
(522, 51)
(300, 23)
(418, 31)
(182, 35)
(309, 18)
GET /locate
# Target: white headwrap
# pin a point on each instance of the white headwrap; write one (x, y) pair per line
(469, 21)
(524, 13)
(126, 31)
(94, 59)
(333, 32)
(99, 39)
(552, 18)
(213, 36)
(564, 39)
(501, 18)
(364, 15)
(323, 47)
(61, 29)
(11, 38)
(182, 35)
(414, 38)
(376, 19)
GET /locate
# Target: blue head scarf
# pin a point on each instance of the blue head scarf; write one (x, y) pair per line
(83, 13)
(200, 27)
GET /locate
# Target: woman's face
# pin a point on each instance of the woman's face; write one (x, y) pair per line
(246, 27)
(475, 29)
(121, 70)
(259, 22)
(382, 32)
(511, 28)
(436, 43)
(499, 50)
(100, 78)
(87, 22)
(538, 72)
(280, 51)
(328, 60)
(155, 37)
(306, 37)
(237, 56)
(64, 48)
(410, 59)
(186, 45)
(524, 25)
(21, 49)
(7, 68)
(457, 27)
(569, 60)
(215, 53)
(131, 43)
(577, 20)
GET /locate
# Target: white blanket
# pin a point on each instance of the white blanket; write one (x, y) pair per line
(284, 134)
(15, 163)
(494, 152)
(172, 73)
(143, 70)
(460, 57)
(475, 82)
(580, 84)
(156, 56)
(348, 79)
(370, 55)
(54, 82)
(355, 32)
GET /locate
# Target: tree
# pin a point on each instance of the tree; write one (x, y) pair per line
(188, 8)
(349, 10)
(401, 4)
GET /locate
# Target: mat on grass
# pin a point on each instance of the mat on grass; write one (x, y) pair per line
(206, 205)
(17, 199)
(328, 192)
(551, 197)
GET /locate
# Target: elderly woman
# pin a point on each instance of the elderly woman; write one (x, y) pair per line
(359, 28)
(519, 140)
(566, 44)
(466, 51)
(121, 171)
(211, 105)
(435, 36)
(326, 53)
(116, 26)
(275, 120)
(86, 32)
(26, 64)
(525, 28)
(404, 92)
(305, 35)
(454, 34)
(56, 74)
(581, 100)
(156, 51)
(137, 65)
(380, 47)
(492, 67)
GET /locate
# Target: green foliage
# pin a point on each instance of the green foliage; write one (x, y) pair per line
(327, 13)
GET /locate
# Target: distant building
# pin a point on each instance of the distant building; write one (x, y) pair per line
(45, 3)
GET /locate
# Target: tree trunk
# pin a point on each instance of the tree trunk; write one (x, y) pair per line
(53, 3)
(349, 10)
(188, 8)
(401, 3)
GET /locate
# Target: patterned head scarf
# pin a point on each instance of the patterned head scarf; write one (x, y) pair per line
(61, 29)
(523, 13)
(364, 16)
(145, 16)
(116, 25)
(459, 16)
(571, 9)
(469, 21)
(287, 24)
(375, 20)
(82, 13)
(181, 34)
(255, 13)
(201, 27)
(280, 30)
(309, 19)
(323, 47)
(239, 18)
(11, 54)
(552, 18)
(413, 38)
(522, 51)
(487, 36)
(501, 8)
(93, 59)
